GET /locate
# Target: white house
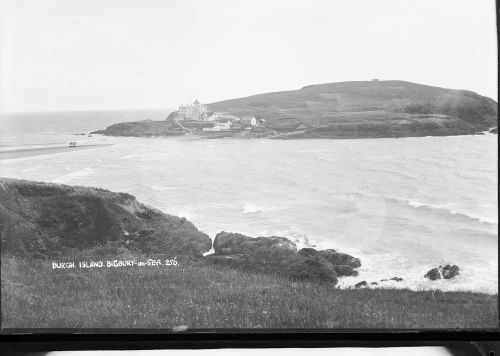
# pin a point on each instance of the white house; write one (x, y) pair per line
(221, 125)
(210, 117)
(251, 121)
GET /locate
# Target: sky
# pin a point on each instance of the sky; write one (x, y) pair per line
(58, 55)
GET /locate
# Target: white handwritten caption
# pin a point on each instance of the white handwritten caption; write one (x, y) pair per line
(116, 263)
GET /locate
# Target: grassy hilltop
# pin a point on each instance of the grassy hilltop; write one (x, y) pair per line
(247, 283)
(362, 109)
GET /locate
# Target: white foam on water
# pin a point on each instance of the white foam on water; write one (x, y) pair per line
(164, 188)
(67, 178)
(252, 209)
(448, 208)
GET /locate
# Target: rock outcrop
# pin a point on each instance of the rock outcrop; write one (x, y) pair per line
(143, 128)
(343, 263)
(44, 219)
(397, 279)
(226, 243)
(279, 255)
(443, 272)
(362, 284)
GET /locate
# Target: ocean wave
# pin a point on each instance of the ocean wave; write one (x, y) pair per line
(446, 208)
(163, 188)
(319, 150)
(252, 209)
(475, 178)
(293, 234)
(396, 171)
(23, 147)
(73, 175)
(132, 156)
(471, 278)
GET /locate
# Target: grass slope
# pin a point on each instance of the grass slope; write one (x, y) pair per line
(200, 295)
(43, 219)
(365, 100)
(369, 109)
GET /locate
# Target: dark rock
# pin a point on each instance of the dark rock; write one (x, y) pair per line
(343, 263)
(278, 261)
(279, 255)
(226, 243)
(445, 272)
(308, 252)
(374, 284)
(397, 279)
(361, 284)
(311, 268)
(345, 270)
(433, 274)
(450, 271)
(337, 258)
(494, 130)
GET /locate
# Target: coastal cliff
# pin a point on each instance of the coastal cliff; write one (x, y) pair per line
(360, 109)
(263, 282)
(45, 219)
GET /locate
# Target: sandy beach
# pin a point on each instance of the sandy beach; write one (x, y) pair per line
(44, 151)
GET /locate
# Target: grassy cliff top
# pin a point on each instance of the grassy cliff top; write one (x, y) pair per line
(43, 219)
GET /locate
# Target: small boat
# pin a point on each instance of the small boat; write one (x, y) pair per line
(72, 144)
(89, 135)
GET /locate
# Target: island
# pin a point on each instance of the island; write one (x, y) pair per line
(355, 109)
(87, 257)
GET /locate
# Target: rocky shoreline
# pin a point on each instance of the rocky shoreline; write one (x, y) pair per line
(148, 129)
(45, 220)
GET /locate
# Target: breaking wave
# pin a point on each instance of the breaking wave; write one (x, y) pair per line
(253, 209)
(73, 175)
(446, 210)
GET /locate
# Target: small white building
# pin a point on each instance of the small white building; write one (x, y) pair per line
(221, 125)
(251, 121)
(210, 116)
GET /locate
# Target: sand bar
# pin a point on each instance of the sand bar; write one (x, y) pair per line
(44, 151)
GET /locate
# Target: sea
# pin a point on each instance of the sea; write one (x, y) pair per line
(403, 206)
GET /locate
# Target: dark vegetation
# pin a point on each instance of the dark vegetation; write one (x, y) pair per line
(42, 220)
